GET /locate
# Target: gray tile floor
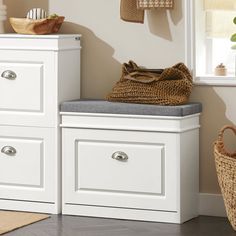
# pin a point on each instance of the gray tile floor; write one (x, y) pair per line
(84, 226)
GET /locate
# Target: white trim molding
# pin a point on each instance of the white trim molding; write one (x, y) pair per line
(190, 54)
(189, 35)
(211, 205)
(224, 81)
(130, 122)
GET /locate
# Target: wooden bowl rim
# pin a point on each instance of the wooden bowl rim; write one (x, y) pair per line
(36, 21)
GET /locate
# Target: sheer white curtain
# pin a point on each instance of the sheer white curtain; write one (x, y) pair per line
(219, 18)
(229, 5)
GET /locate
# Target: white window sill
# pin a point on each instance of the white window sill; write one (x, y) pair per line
(211, 80)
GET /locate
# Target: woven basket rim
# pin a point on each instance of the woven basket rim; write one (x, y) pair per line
(216, 150)
(225, 163)
(219, 147)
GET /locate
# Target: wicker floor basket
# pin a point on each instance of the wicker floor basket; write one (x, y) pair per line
(226, 172)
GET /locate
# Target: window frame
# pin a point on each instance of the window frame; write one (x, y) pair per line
(190, 57)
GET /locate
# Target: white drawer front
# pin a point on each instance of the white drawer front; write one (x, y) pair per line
(28, 88)
(146, 180)
(23, 93)
(23, 168)
(27, 164)
(97, 170)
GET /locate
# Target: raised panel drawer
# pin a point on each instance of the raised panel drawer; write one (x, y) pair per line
(28, 94)
(22, 87)
(27, 164)
(119, 167)
(125, 169)
(21, 161)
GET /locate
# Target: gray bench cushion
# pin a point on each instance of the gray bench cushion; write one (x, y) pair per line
(101, 106)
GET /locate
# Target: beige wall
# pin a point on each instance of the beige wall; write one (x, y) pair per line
(218, 110)
(108, 42)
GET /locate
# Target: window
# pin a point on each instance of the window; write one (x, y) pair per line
(213, 27)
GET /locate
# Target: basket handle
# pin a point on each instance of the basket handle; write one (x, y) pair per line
(221, 138)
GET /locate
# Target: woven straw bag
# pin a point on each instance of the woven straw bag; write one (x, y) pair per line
(147, 4)
(226, 171)
(171, 86)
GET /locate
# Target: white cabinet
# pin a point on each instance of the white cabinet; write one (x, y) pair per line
(36, 74)
(129, 166)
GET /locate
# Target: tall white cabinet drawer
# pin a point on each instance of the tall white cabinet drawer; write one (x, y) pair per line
(21, 85)
(27, 160)
(27, 89)
(120, 169)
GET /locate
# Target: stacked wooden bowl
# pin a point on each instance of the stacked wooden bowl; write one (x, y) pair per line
(42, 26)
(37, 22)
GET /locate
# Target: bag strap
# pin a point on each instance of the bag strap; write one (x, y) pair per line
(131, 71)
(156, 71)
(221, 139)
(131, 66)
(134, 73)
(142, 77)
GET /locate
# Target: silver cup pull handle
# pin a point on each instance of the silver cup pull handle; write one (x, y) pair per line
(120, 156)
(8, 150)
(8, 74)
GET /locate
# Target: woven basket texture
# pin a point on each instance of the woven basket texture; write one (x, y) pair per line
(146, 4)
(130, 12)
(171, 86)
(226, 171)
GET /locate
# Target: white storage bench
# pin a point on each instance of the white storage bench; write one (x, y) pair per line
(130, 161)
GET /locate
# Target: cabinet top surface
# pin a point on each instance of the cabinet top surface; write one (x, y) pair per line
(52, 42)
(49, 36)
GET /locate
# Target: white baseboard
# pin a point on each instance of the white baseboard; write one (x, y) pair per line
(211, 205)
